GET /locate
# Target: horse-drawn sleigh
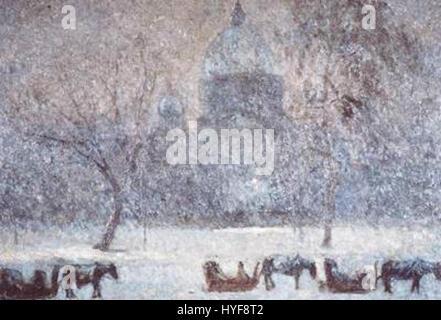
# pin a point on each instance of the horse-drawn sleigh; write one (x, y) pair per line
(332, 279)
(218, 281)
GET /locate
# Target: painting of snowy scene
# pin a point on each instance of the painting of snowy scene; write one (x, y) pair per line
(220, 149)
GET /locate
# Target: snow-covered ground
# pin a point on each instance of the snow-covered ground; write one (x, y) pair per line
(170, 265)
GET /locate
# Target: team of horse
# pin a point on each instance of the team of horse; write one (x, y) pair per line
(43, 286)
(14, 286)
(335, 281)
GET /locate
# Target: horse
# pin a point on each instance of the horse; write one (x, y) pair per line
(338, 282)
(13, 286)
(217, 281)
(286, 265)
(89, 274)
(408, 270)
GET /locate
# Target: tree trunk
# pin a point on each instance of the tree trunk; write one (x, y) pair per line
(145, 231)
(327, 237)
(115, 217)
(15, 236)
(297, 228)
(330, 208)
(109, 234)
(294, 229)
(301, 235)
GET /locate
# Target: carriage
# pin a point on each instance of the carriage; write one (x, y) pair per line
(218, 281)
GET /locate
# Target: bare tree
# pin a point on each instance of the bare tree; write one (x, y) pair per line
(11, 202)
(331, 171)
(101, 123)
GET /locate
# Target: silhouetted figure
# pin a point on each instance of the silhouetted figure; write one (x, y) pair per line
(241, 273)
(11, 283)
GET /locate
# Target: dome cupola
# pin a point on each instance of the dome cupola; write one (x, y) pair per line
(238, 80)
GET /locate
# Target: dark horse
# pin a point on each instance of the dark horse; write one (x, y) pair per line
(13, 286)
(408, 270)
(339, 282)
(90, 274)
(286, 265)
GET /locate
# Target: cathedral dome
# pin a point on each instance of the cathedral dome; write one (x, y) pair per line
(238, 86)
(238, 49)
